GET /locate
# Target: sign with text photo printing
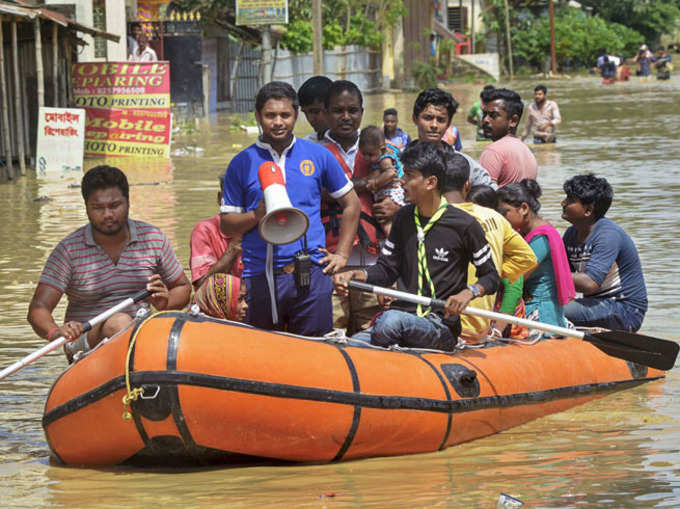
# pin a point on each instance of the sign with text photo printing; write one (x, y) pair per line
(128, 107)
(117, 132)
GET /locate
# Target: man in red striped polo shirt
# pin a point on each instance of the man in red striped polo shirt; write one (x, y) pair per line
(103, 263)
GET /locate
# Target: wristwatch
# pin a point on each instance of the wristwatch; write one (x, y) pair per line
(474, 289)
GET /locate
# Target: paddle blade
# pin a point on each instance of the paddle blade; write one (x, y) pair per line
(646, 350)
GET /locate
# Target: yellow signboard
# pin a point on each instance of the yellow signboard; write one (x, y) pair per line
(261, 12)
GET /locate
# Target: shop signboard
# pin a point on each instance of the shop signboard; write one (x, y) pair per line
(127, 105)
(61, 132)
(261, 12)
(130, 132)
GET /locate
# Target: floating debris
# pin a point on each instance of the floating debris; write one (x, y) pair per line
(506, 501)
(250, 129)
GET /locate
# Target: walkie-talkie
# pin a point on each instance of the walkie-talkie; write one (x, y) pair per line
(303, 268)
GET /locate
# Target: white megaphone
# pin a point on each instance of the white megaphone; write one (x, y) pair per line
(283, 223)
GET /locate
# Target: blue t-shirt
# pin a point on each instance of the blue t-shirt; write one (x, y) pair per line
(608, 257)
(308, 168)
(400, 139)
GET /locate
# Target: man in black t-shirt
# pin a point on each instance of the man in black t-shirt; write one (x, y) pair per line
(430, 246)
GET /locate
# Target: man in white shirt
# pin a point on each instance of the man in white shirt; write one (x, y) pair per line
(144, 53)
(543, 117)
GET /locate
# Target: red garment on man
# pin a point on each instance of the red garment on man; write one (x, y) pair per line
(330, 215)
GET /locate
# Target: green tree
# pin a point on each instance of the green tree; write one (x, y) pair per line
(578, 38)
(651, 18)
(360, 22)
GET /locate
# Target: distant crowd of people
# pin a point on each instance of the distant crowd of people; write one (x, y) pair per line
(614, 68)
(383, 208)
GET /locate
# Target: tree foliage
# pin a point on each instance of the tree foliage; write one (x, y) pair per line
(360, 22)
(651, 18)
(578, 38)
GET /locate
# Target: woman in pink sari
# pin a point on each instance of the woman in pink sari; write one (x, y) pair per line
(549, 287)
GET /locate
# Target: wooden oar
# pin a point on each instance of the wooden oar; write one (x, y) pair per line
(53, 345)
(648, 351)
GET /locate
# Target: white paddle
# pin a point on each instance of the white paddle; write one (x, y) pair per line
(646, 350)
(60, 341)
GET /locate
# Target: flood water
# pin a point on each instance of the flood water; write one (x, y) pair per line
(621, 451)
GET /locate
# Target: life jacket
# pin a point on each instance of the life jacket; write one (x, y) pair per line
(369, 229)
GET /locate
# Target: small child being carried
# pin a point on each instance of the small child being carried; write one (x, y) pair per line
(386, 168)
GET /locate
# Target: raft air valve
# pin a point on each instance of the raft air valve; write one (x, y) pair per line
(463, 379)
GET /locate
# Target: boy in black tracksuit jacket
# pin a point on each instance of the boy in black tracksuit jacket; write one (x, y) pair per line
(453, 241)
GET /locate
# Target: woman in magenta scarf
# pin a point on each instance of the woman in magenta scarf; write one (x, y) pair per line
(549, 287)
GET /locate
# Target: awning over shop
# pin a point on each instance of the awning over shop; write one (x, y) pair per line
(22, 9)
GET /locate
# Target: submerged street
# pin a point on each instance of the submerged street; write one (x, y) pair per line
(621, 450)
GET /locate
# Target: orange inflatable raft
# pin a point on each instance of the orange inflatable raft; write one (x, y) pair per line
(214, 391)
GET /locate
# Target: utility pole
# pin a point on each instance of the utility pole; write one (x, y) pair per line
(266, 54)
(553, 58)
(472, 26)
(318, 34)
(508, 38)
(4, 111)
(39, 73)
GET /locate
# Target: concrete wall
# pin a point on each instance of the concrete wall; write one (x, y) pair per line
(115, 24)
(488, 62)
(209, 59)
(393, 56)
(354, 63)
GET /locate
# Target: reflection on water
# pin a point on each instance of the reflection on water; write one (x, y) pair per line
(620, 451)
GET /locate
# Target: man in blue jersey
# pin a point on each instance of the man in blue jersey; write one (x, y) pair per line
(604, 261)
(276, 299)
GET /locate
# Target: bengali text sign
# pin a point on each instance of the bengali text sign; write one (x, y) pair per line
(61, 132)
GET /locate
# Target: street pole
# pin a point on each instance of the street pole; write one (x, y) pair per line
(472, 26)
(508, 38)
(318, 34)
(553, 58)
(266, 54)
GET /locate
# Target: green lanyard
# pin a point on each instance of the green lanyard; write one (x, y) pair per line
(423, 272)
